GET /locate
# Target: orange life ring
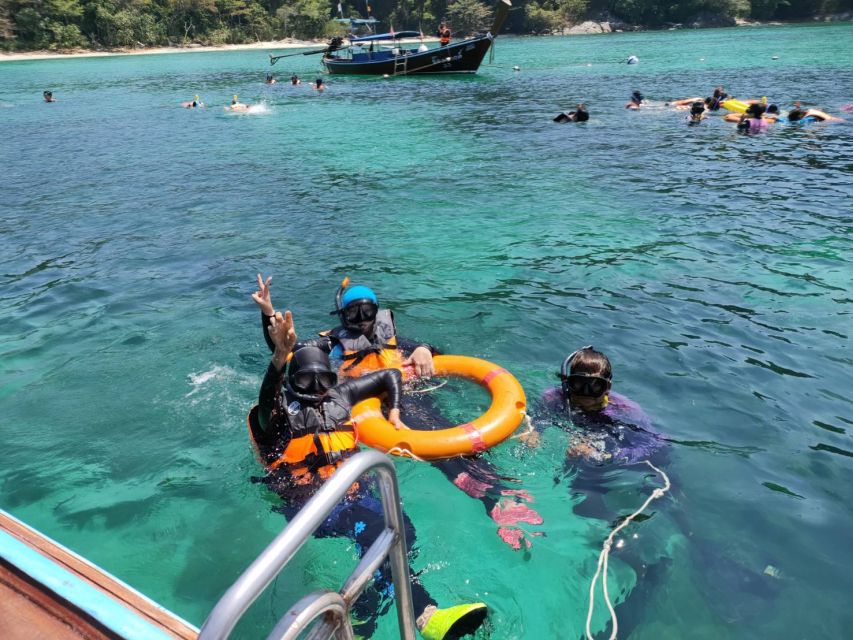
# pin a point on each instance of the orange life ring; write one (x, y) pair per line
(493, 427)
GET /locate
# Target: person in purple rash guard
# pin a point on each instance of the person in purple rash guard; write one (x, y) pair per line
(606, 429)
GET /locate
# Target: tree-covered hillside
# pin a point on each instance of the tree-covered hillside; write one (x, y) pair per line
(66, 24)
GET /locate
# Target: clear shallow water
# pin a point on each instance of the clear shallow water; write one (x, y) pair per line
(714, 269)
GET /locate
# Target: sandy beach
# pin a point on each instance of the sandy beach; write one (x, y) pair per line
(287, 43)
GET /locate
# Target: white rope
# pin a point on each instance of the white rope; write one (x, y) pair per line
(605, 551)
(403, 453)
(530, 428)
(428, 389)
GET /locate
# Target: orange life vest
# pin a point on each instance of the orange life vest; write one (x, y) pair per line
(360, 354)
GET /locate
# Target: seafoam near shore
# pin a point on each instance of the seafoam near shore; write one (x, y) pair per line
(288, 43)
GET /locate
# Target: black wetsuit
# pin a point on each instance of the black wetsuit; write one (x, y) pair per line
(359, 515)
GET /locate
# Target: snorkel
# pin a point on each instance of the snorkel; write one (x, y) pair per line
(359, 318)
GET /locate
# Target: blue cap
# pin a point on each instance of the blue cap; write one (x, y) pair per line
(358, 292)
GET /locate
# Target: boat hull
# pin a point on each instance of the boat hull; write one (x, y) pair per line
(462, 57)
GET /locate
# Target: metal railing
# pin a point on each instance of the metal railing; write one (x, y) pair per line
(333, 606)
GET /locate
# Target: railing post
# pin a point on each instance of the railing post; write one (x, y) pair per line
(281, 550)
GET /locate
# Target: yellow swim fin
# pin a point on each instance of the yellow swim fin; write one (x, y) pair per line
(454, 622)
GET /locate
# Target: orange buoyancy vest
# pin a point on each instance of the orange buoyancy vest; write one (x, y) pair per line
(320, 440)
(360, 354)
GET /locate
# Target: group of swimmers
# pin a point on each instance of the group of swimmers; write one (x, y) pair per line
(303, 432)
(235, 105)
(756, 115)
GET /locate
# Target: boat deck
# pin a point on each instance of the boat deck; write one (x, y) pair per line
(49, 592)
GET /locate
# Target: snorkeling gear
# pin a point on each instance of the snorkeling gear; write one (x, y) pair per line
(454, 622)
(584, 384)
(355, 305)
(310, 374)
(364, 311)
(581, 384)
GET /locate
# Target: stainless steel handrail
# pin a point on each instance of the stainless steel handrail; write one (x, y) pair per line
(391, 542)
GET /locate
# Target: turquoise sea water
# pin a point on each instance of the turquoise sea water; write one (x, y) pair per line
(713, 268)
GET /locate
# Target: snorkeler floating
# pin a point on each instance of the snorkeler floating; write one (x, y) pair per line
(195, 103)
(580, 114)
(635, 100)
(236, 105)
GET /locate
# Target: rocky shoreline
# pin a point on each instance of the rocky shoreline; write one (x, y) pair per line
(611, 24)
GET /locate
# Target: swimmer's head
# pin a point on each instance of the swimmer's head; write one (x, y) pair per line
(755, 110)
(773, 109)
(234, 100)
(585, 379)
(357, 308)
(294, 79)
(636, 97)
(697, 108)
(319, 82)
(310, 375)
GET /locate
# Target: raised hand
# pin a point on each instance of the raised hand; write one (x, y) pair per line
(262, 296)
(282, 332)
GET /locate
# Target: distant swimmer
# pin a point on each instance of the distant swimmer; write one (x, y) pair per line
(319, 85)
(580, 114)
(48, 96)
(770, 113)
(632, 60)
(753, 120)
(798, 114)
(697, 112)
(270, 79)
(635, 100)
(195, 103)
(236, 105)
(294, 80)
(713, 103)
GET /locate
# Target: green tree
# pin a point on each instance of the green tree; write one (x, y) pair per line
(468, 16)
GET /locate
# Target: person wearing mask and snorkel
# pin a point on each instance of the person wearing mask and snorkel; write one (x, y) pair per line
(366, 340)
(605, 428)
(303, 432)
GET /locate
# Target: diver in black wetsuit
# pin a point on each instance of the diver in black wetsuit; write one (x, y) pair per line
(303, 432)
(366, 340)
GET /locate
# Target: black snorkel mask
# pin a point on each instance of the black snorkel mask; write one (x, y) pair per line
(581, 384)
(309, 375)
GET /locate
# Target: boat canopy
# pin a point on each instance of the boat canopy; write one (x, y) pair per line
(394, 35)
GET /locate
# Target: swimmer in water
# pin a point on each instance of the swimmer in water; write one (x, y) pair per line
(195, 103)
(684, 103)
(635, 101)
(48, 96)
(697, 112)
(798, 114)
(270, 79)
(580, 114)
(236, 105)
(319, 85)
(753, 120)
(294, 80)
